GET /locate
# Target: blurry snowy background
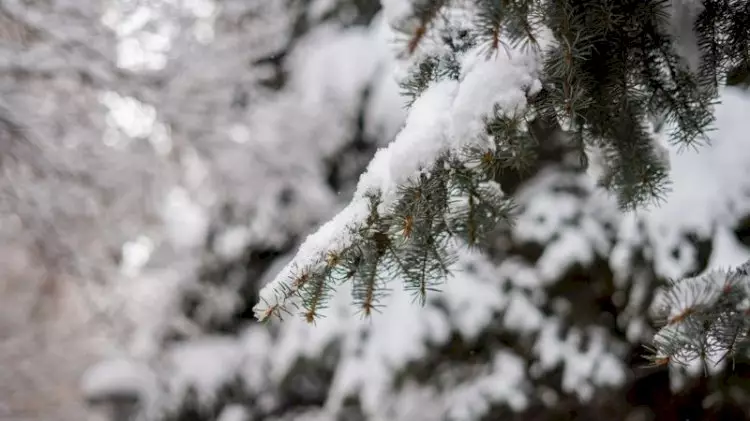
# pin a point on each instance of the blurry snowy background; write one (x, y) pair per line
(160, 160)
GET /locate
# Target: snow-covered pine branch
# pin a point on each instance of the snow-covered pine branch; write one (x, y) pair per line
(444, 125)
(478, 72)
(705, 318)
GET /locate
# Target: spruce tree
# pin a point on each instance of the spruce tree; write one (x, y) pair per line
(490, 84)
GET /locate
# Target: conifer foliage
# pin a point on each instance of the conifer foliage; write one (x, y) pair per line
(605, 73)
(705, 319)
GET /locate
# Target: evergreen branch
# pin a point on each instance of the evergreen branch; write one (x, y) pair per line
(315, 293)
(609, 71)
(684, 102)
(476, 209)
(488, 22)
(399, 264)
(425, 12)
(417, 279)
(515, 148)
(708, 28)
(705, 318)
(420, 78)
(506, 23)
(382, 248)
(366, 290)
(429, 70)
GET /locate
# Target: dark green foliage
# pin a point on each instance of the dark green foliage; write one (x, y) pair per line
(723, 30)
(515, 148)
(613, 67)
(420, 227)
(506, 23)
(428, 71)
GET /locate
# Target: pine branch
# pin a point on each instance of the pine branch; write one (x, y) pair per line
(427, 72)
(506, 23)
(609, 70)
(386, 246)
(723, 32)
(409, 240)
(705, 319)
(425, 12)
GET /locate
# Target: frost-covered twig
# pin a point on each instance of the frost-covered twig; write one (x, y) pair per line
(706, 318)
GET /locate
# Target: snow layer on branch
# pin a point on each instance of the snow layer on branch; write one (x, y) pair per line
(446, 117)
(499, 81)
(420, 142)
